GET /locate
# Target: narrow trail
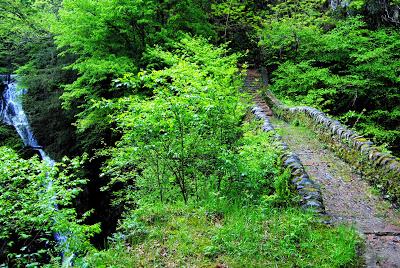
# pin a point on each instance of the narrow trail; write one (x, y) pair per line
(348, 199)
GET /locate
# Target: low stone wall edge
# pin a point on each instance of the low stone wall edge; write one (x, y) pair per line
(380, 168)
(308, 190)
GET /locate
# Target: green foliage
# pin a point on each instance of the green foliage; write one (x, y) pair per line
(28, 48)
(10, 138)
(199, 187)
(181, 235)
(172, 142)
(108, 39)
(236, 227)
(346, 68)
(253, 171)
(42, 76)
(300, 81)
(30, 191)
(25, 25)
(236, 21)
(289, 238)
(377, 13)
(287, 25)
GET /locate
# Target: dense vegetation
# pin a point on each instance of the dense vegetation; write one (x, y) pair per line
(171, 169)
(36, 207)
(348, 68)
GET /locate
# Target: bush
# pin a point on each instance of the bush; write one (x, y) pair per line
(350, 71)
(30, 190)
(172, 142)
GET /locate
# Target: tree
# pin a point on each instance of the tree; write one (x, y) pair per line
(109, 39)
(25, 25)
(343, 69)
(173, 142)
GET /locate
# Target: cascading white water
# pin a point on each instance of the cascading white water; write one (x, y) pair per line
(334, 4)
(12, 113)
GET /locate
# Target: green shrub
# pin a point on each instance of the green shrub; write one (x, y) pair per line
(29, 193)
(172, 142)
(348, 70)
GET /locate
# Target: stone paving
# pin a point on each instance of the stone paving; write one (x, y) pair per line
(348, 199)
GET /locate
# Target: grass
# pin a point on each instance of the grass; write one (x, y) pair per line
(219, 232)
(227, 235)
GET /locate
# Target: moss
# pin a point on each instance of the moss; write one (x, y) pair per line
(366, 158)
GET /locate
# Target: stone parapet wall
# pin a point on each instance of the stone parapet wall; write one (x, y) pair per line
(308, 190)
(379, 168)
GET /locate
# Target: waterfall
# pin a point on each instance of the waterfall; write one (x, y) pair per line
(12, 113)
(334, 4)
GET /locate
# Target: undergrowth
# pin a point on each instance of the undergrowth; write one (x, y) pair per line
(254, 221)
(226, 235)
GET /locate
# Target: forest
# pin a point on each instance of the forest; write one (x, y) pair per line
(136, 145)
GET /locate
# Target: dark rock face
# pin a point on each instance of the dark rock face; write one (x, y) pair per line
(2, 84)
